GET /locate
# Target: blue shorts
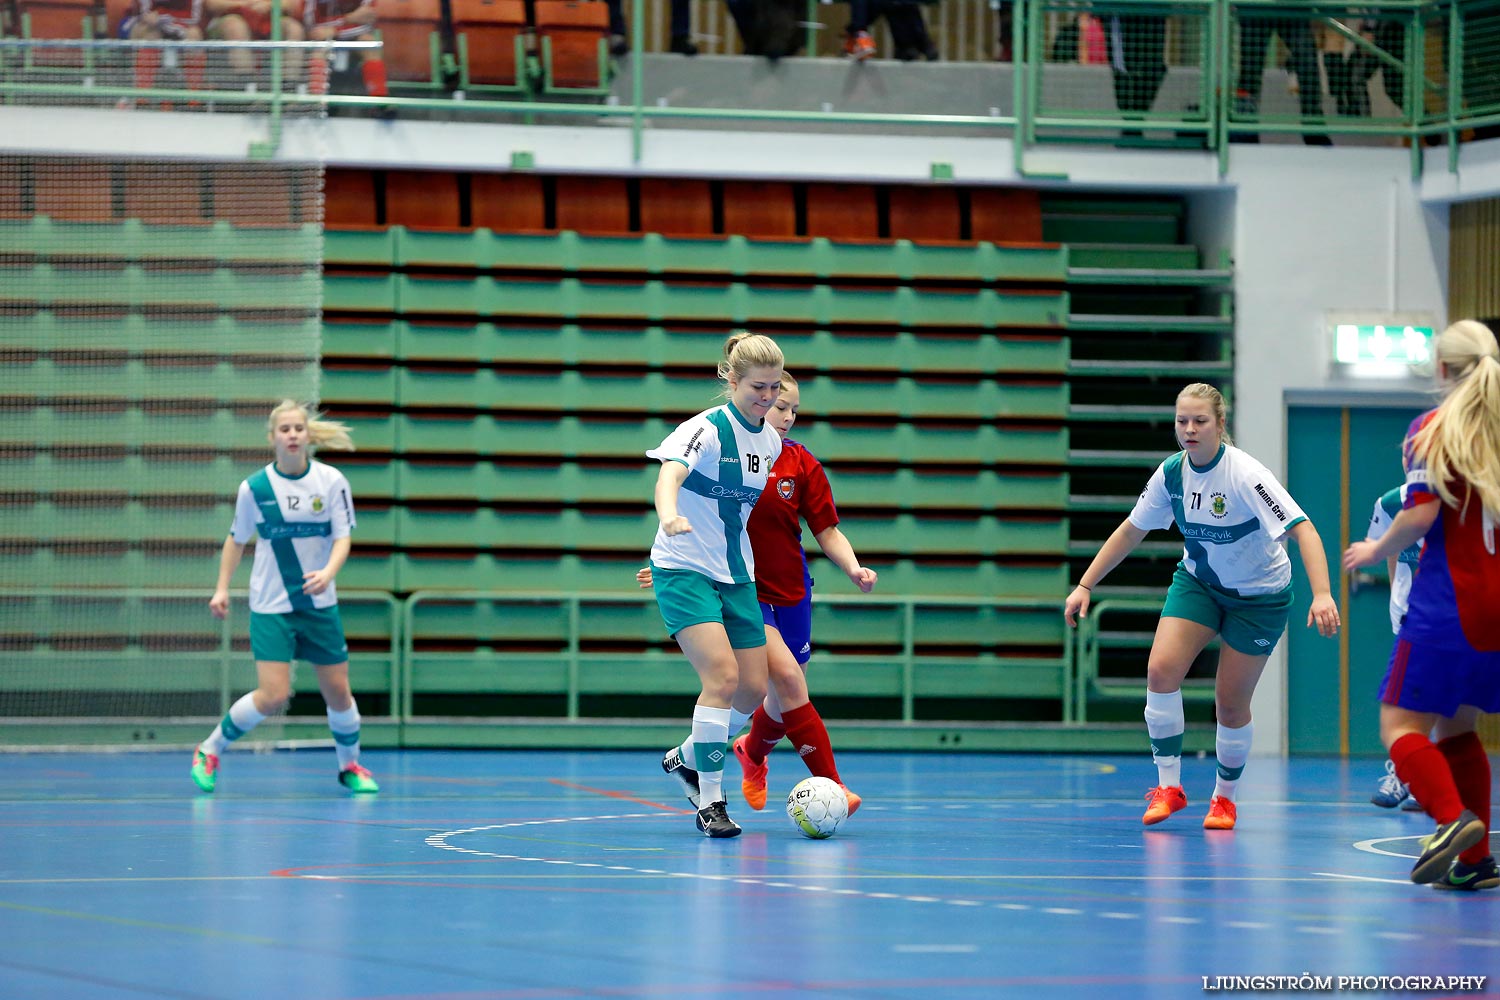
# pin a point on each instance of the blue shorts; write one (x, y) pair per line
(794, 622)
(1426, 678)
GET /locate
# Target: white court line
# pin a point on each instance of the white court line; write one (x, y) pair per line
(1365, 878)
(1368, 846)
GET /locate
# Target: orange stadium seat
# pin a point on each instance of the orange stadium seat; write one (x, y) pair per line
(598, 205)
(492, 37)
(13, 176)
(407, 28)
(56, 19)
(572, 31)
(348, 198)
(1005, 215)
(244, 201)
(74, 191)
(421, 199)
(924, 214)
(676, 207)
(166, 194)
(842, 211)
(508, 203)
(760, 209)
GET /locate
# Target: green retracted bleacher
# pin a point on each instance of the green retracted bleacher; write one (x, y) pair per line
(529, 370)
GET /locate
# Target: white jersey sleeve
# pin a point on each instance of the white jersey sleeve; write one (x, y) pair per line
(242, 528)
(1153, 511)
(1273, 505)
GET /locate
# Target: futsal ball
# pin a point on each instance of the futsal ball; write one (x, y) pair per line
(817, 806)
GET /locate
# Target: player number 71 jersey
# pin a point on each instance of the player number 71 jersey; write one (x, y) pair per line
(1233, 515)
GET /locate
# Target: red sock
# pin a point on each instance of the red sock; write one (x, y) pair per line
(1424, 769)
(373, 72)
(317, 75)
(194, 67)
(147, 62)
(1471, 773)
(804, 727)
(765, 733)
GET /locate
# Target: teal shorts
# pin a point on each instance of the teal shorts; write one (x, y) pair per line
(1250, 625)
(688, 598)
(314, 636)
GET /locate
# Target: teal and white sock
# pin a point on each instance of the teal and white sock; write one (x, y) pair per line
(1232, 747)
(1165, 724)
(242, 717)
(345, 728)
(710, 744)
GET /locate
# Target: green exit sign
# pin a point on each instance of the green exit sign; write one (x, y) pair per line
(1382, 345)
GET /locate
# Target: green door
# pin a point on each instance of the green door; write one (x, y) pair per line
(1342, 454)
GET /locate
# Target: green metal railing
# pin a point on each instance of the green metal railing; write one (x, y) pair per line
(1077, 684)
(574, 606)
(225, 630)
(1446, 91)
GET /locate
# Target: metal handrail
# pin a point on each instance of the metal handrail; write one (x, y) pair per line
(574, 602)
(1213, 121)
(226, 651)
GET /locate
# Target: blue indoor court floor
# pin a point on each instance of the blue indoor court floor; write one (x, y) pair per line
(512, 875)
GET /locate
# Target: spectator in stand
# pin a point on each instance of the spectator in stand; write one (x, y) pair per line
(165, 20)
(1255, 39)
(250, 20)
(344, 21)
(682, 28)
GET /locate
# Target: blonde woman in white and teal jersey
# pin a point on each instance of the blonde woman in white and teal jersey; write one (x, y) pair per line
(303, 513)
(1234, 582)
(713, 470)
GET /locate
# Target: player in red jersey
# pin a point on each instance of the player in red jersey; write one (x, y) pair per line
(796, 490)
(1445, 668)
(247, 20)
(170, 20)
(344, 21)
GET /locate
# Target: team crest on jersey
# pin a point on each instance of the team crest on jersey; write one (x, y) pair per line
(317, 504)
(786, 486)
(1218, 505)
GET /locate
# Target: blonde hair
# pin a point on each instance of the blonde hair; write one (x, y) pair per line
(787, 381)
(744, 351)
(321, 433)
(1461, 443)
(1215, 399)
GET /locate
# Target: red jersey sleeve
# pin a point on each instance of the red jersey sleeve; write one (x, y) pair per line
(817, 496)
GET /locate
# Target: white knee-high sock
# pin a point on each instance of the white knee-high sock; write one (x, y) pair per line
(710, 742)
(345, 728)
(1165, 724)
(1232, 747)
(242, 717)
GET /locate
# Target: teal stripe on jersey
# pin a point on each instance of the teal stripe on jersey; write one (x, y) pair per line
(1390, 502)
(1219, 534)
(287, 562)
(731, 481)
(1172, 473)
(301, 529)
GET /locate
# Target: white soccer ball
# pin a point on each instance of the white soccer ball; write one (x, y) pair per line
(817, 806)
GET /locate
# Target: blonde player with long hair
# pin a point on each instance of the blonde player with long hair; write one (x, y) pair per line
(303, 513)
(714, 467)
(1234, 582)
(1445, 667)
